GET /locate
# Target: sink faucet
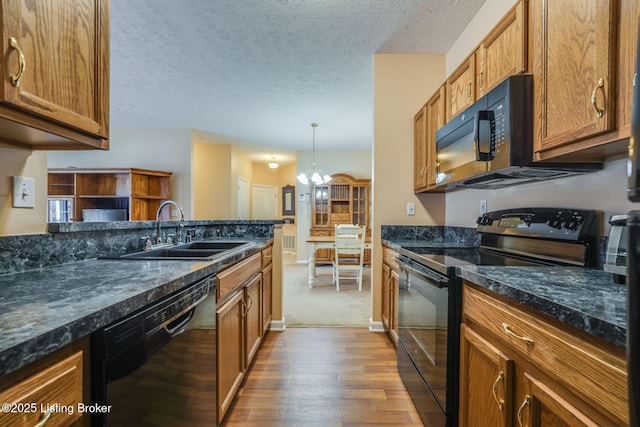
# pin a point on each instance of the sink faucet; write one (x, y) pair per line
(162, 205)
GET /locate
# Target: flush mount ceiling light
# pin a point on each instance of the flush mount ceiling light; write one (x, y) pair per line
(273, 164)
(315, 176)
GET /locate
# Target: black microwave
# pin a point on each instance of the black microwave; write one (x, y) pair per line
(490, 143)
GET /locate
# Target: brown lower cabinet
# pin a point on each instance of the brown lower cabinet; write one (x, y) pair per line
(390, 282)
(240, 324)
(50, 390)
(520, 368)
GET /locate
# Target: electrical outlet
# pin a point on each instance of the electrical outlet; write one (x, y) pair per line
(411, 209)
(483, 206)
(23, 192)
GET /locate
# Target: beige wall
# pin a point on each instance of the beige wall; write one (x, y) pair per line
(158, 149)
(402, 84)
(21, 162)
(211, 166)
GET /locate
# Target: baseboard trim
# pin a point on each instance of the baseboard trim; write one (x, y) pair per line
(376, 326)
(277, 325)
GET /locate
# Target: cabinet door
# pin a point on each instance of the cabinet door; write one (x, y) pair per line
(574, 47)
(57, 61)
(393, 318)
(504, 51)
(386, 297)
(266, 298)
(436, 111)
(252, 312)
(230, 347)
(461, 88)
(420, 154)
(542, 406)
(320, 205)
(486, 382)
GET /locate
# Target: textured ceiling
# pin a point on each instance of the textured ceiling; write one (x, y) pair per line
(260, 71)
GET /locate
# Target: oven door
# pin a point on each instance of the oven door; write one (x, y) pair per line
(423, 323)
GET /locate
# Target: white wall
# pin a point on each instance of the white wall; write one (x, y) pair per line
(354, 163)
(158, 149)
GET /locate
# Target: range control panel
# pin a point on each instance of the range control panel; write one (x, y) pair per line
(551, 223)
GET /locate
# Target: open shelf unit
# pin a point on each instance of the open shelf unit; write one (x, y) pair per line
(138, 191)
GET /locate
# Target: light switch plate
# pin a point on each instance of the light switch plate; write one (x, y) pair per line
(23, 192)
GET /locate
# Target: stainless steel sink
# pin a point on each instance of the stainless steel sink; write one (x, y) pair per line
(198, 251)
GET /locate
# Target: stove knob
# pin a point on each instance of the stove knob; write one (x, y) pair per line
(555, 223)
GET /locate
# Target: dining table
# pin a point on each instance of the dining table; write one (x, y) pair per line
(323, 242)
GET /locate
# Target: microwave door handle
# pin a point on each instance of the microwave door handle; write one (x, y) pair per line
(484, 116)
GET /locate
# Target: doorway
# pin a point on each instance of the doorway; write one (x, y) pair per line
(243, 198)
(264, 202)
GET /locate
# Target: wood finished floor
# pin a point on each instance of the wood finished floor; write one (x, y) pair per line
(343, 377)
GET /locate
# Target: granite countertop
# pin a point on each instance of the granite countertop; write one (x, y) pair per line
(586, 299)
(44, 309)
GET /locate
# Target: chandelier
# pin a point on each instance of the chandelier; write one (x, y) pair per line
(315, 176)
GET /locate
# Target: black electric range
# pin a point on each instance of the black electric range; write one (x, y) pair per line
(429, 301)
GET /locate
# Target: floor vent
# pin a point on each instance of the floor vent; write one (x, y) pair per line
(288, 242)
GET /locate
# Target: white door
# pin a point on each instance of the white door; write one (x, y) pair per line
(243, 198)
(264, 202)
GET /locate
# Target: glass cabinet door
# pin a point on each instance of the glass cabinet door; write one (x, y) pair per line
(321, 200)
(359, 205)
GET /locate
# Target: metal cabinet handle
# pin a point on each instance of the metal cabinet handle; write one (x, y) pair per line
(495, 390)
(245, 309)
(521, 409)
(513, 334)
(47, 415)
(469, 91)
(250, 303)
(15, 79)
(599, 111)
(480, 79)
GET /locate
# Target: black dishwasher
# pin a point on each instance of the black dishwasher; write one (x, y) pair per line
(157, 366)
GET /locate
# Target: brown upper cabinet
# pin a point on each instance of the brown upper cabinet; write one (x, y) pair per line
(502, 53)
(55, 89)
(573, 55)
(461, 88)
(583, 86)
(420, 160)
(426, 123)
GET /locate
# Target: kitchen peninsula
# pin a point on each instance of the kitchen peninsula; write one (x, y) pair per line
(57, 291)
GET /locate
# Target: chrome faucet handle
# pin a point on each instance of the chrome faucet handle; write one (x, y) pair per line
(147, 246)
(170, 238)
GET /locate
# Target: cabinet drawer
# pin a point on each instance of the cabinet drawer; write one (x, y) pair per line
(234, 276)
(389, 258)
(57, 388)
(266, 256)
(340, 218)
(589, 371)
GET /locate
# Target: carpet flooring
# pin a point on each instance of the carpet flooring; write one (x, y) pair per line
(322, 306)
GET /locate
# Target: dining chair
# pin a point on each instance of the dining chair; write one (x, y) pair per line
(348, 253)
